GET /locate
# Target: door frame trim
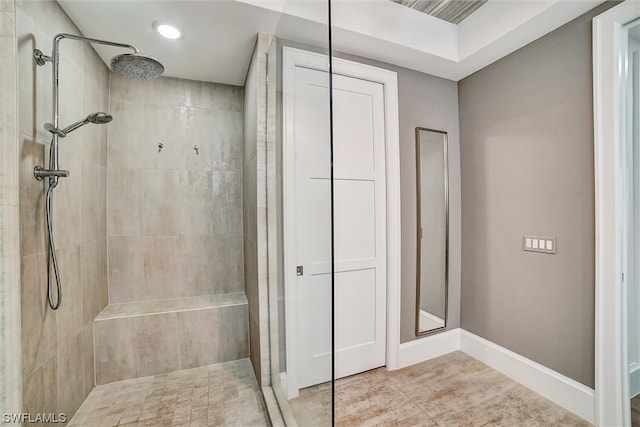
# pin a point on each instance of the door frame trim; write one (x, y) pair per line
(611, 372)
(388, 79)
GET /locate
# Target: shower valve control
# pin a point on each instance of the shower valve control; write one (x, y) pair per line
(299, 270)
(40, 173)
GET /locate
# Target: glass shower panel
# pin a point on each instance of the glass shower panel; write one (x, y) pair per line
(298, 175)
(193, 228)
(390, 79)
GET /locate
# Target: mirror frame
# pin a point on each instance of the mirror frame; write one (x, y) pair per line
(419, 228)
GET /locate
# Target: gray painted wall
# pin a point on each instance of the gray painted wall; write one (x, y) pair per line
(526, 127)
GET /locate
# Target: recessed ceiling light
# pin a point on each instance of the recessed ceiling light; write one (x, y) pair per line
(167, 30)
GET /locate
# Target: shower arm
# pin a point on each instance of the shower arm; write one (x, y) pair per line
(41, 59)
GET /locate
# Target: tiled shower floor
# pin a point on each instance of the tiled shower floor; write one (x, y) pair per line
(223, 394)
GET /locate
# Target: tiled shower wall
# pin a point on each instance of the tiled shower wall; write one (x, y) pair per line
(256, 171)
(57, 351)
(10, 386)
(174, 213)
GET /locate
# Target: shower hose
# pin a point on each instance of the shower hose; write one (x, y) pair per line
(53, 259)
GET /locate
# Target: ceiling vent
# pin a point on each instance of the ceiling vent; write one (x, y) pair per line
(454, 11)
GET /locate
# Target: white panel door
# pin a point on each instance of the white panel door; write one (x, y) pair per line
(360, 225)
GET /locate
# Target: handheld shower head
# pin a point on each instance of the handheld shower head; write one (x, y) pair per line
(136, 66)
(99, 118)
(95, 118)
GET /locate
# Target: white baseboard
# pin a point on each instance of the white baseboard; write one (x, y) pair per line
(556, 387)
(634, 379)
(562, 390)
(429, 347)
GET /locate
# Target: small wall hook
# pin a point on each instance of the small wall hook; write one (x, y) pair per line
(160, 146)
(195, 147)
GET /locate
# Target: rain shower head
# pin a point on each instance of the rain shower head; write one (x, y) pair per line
(136, 66)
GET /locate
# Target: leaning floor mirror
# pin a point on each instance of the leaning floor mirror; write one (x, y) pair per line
(433, 230)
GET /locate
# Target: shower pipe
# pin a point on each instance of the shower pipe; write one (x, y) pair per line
(131, 65)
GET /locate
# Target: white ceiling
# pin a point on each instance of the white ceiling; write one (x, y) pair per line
(219, 34)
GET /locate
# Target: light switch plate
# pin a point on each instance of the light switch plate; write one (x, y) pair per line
(542, 244)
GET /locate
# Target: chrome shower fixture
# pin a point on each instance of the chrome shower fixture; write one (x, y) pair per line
(95, 118)
(130, 65)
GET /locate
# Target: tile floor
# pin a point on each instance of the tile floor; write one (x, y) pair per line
(454, 390)
(635, 411)
(222, 394)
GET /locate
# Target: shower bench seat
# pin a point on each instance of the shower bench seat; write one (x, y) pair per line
(143, 338)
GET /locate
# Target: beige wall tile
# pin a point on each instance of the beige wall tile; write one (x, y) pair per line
(170, 92)
(180, 203)
(157, 343)
(70, 359)
(163, 271)
(129, 145)
(10, 331)
(126, 195)
(251, 275)
(216, 264)
(115, 356)
(7, 6)
(198, 337)
(69, 319)
(198, 129)
(254, 346)
(40, 389)
(254, 104)
(79, 205)
(226, 257)
(67, 225)
(233, 329)
(123, 89)
(38, 320)
(93, 279)
(8, 130)
(70, 88)
(166, 202)
(93, 201)
(88, 361)
(250, 120)
(250, 199)
(126, 269)
(227, 98)
(32, 198)
(228, 130)
(164, 124)
(34, 83)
